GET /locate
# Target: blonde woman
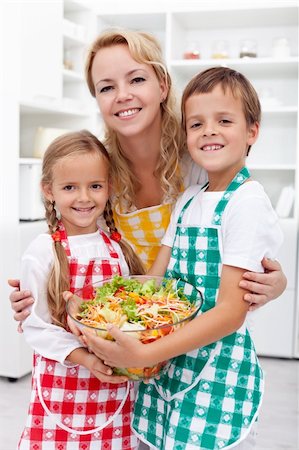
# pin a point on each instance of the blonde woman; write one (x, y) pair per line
(150, 166)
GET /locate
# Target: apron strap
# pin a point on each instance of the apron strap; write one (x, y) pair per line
(236, 182)
(57, 422)
(188, 203)
(109, 245)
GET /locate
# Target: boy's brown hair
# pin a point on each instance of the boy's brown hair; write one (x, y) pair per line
(240, 87)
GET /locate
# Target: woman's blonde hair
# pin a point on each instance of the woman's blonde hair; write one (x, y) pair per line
(66, 146)
(145, 49)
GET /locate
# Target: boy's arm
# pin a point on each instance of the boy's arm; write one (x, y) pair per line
(159, 266)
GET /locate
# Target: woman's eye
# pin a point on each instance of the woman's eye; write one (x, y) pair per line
(104, 89)
(138, 80)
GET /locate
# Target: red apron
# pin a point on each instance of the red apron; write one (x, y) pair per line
(70, 409)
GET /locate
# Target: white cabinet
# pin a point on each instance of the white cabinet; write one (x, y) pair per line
(40, 49)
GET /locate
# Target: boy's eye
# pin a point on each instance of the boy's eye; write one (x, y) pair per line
(137, 80)
(225, 121)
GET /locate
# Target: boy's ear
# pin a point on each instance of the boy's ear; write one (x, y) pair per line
(253, 133)
(47, 192)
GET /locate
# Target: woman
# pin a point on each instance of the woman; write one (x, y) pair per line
(127, 76)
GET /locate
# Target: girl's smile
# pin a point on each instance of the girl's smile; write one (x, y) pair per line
(80, 189)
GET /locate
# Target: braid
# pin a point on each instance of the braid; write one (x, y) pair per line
(59, 275)
(51, 216)
(134, 262)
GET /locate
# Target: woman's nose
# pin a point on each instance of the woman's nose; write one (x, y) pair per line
(123, 93)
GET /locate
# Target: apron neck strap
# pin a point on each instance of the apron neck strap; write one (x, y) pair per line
(236, 182)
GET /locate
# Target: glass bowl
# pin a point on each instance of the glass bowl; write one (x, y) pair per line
(145, 307)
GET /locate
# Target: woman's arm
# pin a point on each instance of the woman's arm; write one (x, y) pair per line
(225, 318)
(264, 287)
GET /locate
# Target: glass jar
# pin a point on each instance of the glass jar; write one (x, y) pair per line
(220, 49)
(281, 48)
(248, 48)
(192, 50)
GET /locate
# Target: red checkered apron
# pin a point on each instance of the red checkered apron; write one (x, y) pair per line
(70, 409)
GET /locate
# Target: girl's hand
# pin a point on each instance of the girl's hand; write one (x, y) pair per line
(124, 352)
(20, 300)
(99, 370)
(264, 286)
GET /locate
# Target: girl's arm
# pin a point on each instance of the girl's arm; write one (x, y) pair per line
(225, 318)
(83, 357)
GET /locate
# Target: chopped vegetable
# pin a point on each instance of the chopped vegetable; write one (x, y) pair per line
(135, 306)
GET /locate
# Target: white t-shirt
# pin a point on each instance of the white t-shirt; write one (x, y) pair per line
(49, 340)
(250, 228)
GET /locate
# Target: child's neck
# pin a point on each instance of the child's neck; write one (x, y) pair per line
(219, 181)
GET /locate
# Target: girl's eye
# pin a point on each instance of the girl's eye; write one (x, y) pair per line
(96, 187)
(68, 188)
(138, 80)
(195, 125)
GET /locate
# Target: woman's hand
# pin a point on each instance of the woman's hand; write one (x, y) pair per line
(20, 300)
(125, 351)
(264, 286)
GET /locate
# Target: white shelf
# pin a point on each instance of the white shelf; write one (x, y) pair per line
(55, 107)
(271, 167)
(72, 41)
(30, 161)
(249, 66)
(72, 76)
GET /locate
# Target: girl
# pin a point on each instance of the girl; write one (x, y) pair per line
(150, 166)
(72, 405)
(211, 394)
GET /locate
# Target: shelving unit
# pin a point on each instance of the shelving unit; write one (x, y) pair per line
(47, 68)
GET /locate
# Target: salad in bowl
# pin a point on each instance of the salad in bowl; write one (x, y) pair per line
(145, 307)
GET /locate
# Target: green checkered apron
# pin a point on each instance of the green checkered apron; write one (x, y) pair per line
(210, 397)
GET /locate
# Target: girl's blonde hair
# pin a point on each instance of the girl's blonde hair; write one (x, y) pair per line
(145, 49)
(66, 146)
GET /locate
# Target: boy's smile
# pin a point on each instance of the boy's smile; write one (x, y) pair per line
(218, 136)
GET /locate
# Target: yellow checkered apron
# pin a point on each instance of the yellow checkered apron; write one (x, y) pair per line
(144, 229)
